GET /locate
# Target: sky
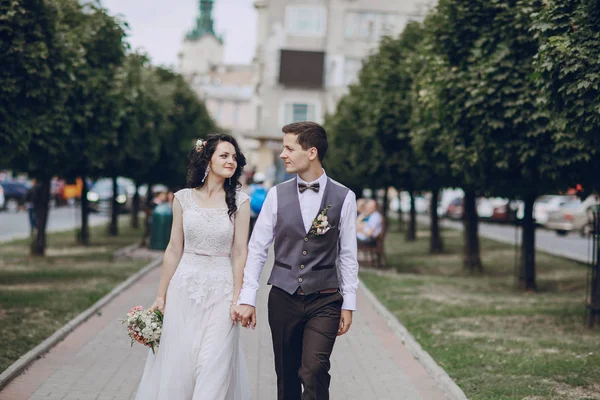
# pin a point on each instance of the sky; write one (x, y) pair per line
(159, 26)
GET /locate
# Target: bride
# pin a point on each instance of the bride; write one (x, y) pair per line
(199, 357)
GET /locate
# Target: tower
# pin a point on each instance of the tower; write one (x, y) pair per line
(202, 49)
(204, 22)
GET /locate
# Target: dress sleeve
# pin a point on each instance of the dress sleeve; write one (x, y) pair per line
(241, 198)
(182, 196)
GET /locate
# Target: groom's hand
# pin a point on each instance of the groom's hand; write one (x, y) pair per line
(345, 322)
(247, 315)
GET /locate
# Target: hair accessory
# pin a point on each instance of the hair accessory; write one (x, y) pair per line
(200, 144)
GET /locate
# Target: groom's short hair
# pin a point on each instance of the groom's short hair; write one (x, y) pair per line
(310, 134)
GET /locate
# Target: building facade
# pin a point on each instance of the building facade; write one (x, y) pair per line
(226, 89)
(308, 52)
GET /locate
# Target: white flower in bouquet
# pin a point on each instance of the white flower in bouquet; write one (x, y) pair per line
(144, 326)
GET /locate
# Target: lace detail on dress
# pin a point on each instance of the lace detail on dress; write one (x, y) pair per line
(206, 231)
(205, 287)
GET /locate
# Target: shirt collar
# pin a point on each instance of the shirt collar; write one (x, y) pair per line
(322, 180)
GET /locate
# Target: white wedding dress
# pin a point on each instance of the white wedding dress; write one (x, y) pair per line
(199, 357)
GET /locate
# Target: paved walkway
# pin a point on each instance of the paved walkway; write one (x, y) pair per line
(95, 362)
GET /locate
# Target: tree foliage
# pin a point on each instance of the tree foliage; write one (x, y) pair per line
(74, 103)
(569, 75)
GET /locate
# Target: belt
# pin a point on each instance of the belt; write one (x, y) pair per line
(324, 291)
(206, 253)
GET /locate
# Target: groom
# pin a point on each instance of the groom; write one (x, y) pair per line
(312, 220)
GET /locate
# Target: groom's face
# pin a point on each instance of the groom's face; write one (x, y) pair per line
(295, 157)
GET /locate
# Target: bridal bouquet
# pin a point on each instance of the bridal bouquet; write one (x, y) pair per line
(144, 326)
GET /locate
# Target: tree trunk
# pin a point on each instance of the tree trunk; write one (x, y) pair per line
(400, 212)
(84, 234)
(41, 206)
(436, 246)
(135, 208)
(113, 229)
(411, 232)
(527, 264)
(386, 206)
(471, 256)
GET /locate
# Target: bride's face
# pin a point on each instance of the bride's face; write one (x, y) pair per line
(224, 160)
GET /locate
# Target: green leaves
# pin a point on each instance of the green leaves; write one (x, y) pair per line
(569, 76)
(76, 103)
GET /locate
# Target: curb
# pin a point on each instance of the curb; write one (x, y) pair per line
(18, 366)
(123, 251)
(444, 381)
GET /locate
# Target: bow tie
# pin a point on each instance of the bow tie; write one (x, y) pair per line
(302, 187)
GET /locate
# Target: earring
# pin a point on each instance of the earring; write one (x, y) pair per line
(229, 181)
(206, 173)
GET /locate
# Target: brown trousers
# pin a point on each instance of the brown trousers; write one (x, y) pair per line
(304, 329)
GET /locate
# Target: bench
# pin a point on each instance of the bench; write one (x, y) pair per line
(374, 256)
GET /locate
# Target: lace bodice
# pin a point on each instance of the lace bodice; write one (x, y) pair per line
(205, 266)
(206, 231)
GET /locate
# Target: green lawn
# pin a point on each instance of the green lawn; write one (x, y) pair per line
(493, 340)
(39, 295)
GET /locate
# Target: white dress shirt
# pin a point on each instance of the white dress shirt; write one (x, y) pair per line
(264, 234)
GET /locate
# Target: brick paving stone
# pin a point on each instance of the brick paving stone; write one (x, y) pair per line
(95, 361)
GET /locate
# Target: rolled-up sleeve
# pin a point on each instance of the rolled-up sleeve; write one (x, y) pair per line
(258, 248)
(348, 262)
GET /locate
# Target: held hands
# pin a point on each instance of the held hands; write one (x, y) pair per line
(345, 322)
(159, 304)
(245, 314)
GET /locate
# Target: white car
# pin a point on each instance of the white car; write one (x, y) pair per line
(545, 205)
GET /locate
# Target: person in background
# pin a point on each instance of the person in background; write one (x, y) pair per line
(369, 224)
(360, 209)
(159, 198)
(258, 194)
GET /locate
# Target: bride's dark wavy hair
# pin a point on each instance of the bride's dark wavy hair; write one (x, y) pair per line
(199, 160)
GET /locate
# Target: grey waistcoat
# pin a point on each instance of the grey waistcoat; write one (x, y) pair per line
(302, 259)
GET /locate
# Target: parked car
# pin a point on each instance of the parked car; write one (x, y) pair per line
(544, 205)
(573, 216)
(14, 195)
(455, 209)
(503, 210)
(100, 195)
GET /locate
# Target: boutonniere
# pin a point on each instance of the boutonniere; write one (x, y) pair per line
(320, 225)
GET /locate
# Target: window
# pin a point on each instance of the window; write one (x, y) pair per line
(352, 67)
(305, 21)
(302, 68)
(297, 112)
(371, 26)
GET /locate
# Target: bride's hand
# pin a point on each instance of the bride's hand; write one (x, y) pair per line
(159, 304)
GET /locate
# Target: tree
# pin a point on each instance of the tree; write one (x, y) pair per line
(569, 73)
(94, 101)
(432, 160)
(354, 158)
(520, 143)
(386, 81)
(187, 120)
(41, 56)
